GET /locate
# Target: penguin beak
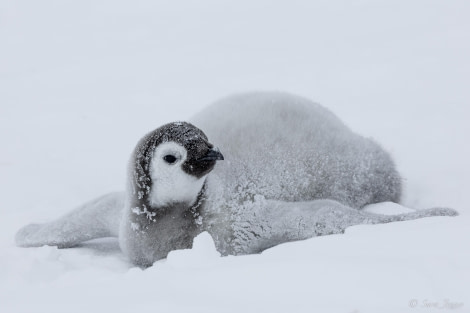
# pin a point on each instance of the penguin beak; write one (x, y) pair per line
(212, 155)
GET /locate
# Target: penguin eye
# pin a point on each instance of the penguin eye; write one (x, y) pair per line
(170, 159)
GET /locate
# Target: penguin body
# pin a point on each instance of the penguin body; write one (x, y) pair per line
(292, 171)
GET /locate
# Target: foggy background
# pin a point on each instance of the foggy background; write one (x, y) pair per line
(82, 81)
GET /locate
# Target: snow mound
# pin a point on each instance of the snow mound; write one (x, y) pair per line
(203, 254)
(387, 208)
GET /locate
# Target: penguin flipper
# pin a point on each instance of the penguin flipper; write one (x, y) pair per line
(280, 222)
(95, 219)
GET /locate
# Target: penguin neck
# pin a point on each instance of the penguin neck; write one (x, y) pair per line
(166, 228)
(151, 213)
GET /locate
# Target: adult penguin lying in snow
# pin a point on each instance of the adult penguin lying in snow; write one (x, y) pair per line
(293, 171)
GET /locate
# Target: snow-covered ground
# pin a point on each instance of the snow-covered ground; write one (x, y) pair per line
(81, 82)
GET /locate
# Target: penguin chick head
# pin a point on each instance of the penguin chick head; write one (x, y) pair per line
(171, 165)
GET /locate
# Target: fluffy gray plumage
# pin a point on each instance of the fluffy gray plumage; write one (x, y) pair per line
(292, 171)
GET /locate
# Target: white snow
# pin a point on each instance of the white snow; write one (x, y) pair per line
(81, 82)
(387, 208)
(202, 254)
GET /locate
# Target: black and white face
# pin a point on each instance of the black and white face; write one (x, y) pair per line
(170, 165)
(178, 171)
